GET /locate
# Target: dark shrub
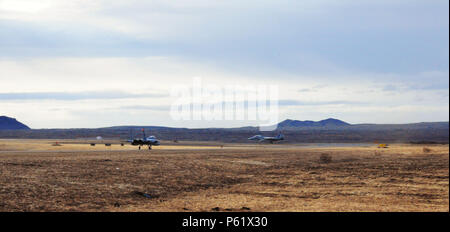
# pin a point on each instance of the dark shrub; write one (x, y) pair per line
(325, 158)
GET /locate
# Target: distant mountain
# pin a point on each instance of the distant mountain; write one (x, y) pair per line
(7, 123)
(330, 122)
(325, 131)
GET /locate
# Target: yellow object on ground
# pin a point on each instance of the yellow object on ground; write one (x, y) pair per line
(383, 145)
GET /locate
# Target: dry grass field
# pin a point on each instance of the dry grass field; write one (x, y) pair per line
(36, 176)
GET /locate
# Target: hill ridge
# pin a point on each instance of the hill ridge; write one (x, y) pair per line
(7, 123)
(289, 123)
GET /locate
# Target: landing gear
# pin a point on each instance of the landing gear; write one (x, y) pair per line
(149, 147)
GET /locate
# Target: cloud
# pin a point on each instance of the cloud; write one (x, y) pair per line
(65, 96)
(145, 107)
(312, 89)
(281, 103)
(423, 81)
(300, 36)
(390, 87)
(289, 102)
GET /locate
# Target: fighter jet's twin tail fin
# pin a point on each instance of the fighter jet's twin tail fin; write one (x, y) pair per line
(143, 132)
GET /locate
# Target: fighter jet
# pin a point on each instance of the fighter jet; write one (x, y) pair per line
(149, 141)
(261, 138)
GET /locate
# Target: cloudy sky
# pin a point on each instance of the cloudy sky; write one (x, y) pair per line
(95, 63)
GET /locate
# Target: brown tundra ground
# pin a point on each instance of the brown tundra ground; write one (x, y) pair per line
(36, 176)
